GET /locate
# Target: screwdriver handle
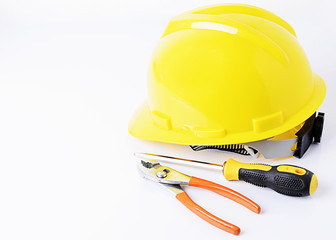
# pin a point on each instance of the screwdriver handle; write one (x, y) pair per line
(285, 179)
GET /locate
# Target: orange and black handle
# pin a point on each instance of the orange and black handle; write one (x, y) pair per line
(219, 189)
(285, 179)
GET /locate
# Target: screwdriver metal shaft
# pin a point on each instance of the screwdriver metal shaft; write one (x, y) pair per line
(176, 160)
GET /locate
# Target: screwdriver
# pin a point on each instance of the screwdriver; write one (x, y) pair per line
(285, 179)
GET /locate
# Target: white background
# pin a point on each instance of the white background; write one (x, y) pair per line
(71, 75)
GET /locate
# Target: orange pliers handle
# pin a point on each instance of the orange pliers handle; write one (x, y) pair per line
(172, 179)
(221, 190)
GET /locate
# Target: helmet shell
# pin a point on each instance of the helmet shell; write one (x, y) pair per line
(226, 74)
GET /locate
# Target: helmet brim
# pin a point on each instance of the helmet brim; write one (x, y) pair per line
(142, 125)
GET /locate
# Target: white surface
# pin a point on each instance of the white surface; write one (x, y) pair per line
(71, 75)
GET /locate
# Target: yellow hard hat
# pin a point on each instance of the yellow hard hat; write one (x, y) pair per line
(227, 74)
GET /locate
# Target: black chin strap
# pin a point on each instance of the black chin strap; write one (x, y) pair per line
(235, 148)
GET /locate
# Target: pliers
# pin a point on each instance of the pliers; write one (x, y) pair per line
(173, 180)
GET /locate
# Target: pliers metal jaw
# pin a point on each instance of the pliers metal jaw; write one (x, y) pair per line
(173, 180)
